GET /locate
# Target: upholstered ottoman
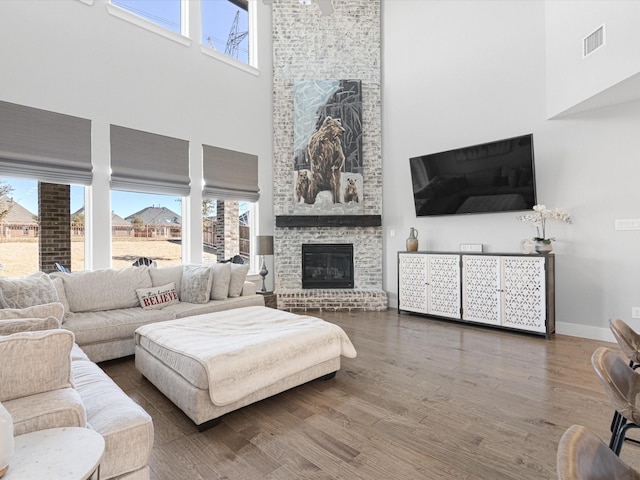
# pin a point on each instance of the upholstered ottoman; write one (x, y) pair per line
(212, 364)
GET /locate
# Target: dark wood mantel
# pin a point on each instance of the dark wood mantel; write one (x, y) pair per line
(328, 220)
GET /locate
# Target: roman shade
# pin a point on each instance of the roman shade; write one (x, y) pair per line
(149, 163)
(46, 146)
(230, 175)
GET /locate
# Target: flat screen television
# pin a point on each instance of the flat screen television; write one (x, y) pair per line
(491, 177)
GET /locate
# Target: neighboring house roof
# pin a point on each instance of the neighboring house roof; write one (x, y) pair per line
(115, 218)
(118, 220)
(157, 216)
(18, 215)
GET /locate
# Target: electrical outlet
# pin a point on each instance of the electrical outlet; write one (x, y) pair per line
(635, 312)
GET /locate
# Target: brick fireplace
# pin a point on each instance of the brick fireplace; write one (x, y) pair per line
(310, 46)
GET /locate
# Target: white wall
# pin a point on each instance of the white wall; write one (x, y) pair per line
(611, 72)
(74, 58)
(466, 72)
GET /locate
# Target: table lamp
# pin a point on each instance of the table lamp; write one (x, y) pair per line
(264, 247)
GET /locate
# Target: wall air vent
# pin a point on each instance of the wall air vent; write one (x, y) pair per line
(593, 41)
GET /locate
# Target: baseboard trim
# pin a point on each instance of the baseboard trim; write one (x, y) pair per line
(585, 331)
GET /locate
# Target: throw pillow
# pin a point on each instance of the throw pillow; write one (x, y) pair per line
(196, 284)
(238, 276)
(37, 311)
(25, 292)
(16, 325)
(62, 296)
(35, 362)
(221, 278)
(156, 298)
(105, 289)
(164, 275)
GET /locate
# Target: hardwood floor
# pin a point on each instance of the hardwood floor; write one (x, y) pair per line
(424, 399)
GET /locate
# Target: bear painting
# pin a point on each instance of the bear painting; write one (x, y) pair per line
(351, 191)
(328, 165)
(302, 186)
(327, 159)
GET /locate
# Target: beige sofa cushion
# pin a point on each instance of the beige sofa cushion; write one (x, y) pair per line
(56, 278)
(25, 292)
(35, 362)
(221, 279)
(31, 319)
(238, 276)
(127, 429)
(196, 284)
(112, 325)
(16, 325)
(58, 408)
(184, 309)
(164, 275)
(107, 289)
(37, 311)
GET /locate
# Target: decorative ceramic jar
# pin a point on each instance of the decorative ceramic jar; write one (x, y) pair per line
(6, 439)
(412, 241)
(543, 247)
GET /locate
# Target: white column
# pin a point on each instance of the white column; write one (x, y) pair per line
(98, 200)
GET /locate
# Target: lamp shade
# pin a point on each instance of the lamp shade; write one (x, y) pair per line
(264, 245)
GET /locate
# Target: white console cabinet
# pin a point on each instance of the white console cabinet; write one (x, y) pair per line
(502, 290)
(430, 284)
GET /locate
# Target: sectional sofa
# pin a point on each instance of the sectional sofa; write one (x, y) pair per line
(53, 328)
(104, 307)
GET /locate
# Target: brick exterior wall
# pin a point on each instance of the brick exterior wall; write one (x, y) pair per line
(308, 46)
(55, 225)
(227, 234)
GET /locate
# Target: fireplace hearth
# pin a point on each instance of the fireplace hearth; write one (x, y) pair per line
(327, 265)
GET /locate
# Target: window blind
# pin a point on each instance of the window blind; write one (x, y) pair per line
(230, 175)
(149, 163)
(46, 146)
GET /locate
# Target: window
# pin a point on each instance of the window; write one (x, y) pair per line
(145, 225)
(231, 184)
(166, 13)
(225, 27)
(227, 227)
(21, 228)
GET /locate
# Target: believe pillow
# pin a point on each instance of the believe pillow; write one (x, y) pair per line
(156, 298)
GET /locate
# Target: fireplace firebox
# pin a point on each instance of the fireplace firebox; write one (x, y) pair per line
(327, 265)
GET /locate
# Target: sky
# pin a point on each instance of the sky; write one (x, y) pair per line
(25, 192)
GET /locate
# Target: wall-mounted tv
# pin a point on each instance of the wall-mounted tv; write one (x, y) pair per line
(491, 177)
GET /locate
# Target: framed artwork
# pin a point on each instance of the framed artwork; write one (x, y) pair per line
(327, 168)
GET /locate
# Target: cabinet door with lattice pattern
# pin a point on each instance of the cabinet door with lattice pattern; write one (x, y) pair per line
(524, 297)
(412, 282)
(444, 285)
(481, 289)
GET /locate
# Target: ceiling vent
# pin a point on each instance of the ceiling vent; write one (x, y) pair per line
(593, 41)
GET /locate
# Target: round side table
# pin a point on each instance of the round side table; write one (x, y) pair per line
(69, 453)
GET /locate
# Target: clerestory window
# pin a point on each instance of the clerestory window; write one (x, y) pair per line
(225, 27)
(166, 13)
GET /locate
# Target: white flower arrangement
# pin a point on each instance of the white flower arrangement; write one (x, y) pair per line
(540, 216)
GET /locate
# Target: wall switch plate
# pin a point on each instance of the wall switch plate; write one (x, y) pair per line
(471, 247)
(635, 312)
